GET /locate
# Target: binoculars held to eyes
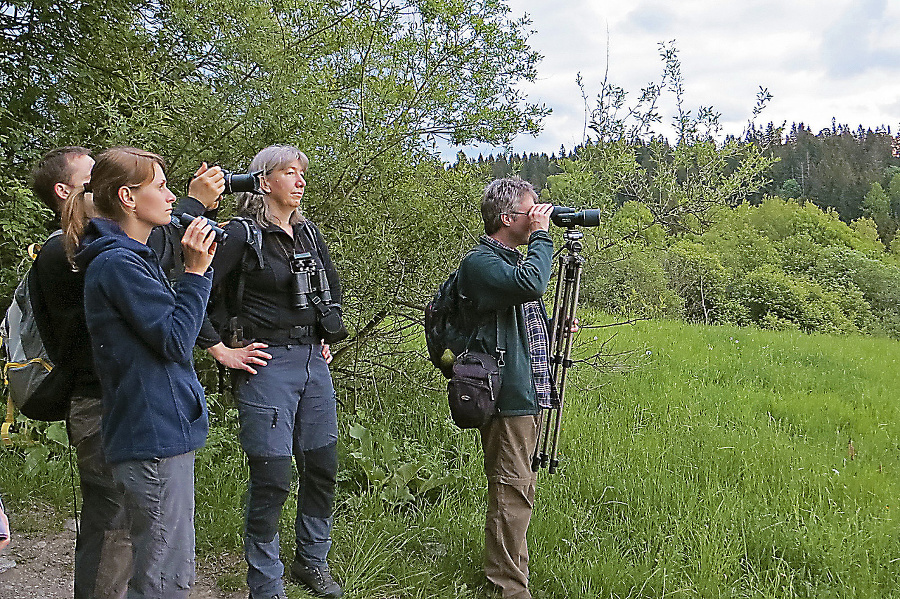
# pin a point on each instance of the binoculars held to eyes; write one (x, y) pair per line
(569, 217)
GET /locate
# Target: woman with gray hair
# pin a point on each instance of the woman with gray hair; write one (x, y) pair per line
(281, 294)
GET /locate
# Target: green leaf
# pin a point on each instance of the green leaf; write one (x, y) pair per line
(56, 432)
(36, 460)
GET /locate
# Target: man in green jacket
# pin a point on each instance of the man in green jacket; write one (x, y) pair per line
(505, 289)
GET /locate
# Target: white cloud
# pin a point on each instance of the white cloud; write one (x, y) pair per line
(654, 18)
(818, 59)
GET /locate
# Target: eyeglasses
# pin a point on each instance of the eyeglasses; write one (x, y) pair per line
(514, 212)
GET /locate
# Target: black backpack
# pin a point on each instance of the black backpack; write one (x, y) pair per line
(475, 377)
(448, 325)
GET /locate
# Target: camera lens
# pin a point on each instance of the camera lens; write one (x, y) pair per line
(242, 182)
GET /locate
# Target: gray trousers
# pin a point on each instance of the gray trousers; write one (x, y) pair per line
(103, 544)
(286, 410)
(508, 444)
(159, 499)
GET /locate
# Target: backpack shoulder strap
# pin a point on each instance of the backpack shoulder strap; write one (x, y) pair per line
(462, 297)
(251, 259)
(311, 231)
(56, 348)
(501, 345)
(254, 239)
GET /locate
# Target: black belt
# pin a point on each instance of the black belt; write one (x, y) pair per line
(302, 334)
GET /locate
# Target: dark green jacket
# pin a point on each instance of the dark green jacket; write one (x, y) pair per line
(498, 283)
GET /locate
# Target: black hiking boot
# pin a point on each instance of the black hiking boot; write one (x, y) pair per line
(317, 579)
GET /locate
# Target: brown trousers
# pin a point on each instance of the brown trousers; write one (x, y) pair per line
(508, 444)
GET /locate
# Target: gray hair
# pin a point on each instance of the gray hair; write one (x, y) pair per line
(269, 160)
(502, 196)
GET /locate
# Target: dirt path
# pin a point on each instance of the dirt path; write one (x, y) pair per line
(40, 565)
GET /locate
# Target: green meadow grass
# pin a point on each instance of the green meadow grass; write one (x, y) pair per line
(717, 462)
(723, 467)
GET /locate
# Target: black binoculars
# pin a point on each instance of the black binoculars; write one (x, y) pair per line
(569, 217)
(303, 271)
(183, 220)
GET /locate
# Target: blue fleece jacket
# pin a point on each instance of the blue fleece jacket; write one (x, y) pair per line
(142, 333)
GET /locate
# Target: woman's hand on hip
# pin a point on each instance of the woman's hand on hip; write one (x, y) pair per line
(241, 358)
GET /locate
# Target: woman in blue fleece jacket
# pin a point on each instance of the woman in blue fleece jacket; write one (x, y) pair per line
(142, 334)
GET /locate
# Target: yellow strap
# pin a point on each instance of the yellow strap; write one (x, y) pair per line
(10, 409)
(10, 365)
(10, 419)
(33, 250)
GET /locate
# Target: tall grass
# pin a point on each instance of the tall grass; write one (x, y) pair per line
(733, 463)
(728, 462)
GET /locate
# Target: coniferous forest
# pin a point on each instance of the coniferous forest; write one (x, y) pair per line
(850, 170)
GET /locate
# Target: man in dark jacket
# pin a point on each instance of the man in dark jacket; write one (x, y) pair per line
(505, 288)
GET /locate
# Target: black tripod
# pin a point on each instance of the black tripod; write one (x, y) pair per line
(565, 305)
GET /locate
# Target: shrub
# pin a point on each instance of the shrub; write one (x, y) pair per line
(698, 277)
(780, 219)
(634, 284)
(877, 281)
(775, 300)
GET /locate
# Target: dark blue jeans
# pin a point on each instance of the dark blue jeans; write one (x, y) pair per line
(287, 410)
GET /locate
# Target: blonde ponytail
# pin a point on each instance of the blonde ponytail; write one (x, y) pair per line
(74, 218)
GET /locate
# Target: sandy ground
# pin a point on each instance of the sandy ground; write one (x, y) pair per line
(40, 566)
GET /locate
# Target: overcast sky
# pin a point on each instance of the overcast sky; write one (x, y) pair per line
(818, 58)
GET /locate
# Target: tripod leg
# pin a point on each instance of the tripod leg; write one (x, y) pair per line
(545, 438)
(541, 449)
(572, 308)
(536, 457)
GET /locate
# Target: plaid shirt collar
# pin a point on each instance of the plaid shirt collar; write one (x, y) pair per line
(500, 245)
